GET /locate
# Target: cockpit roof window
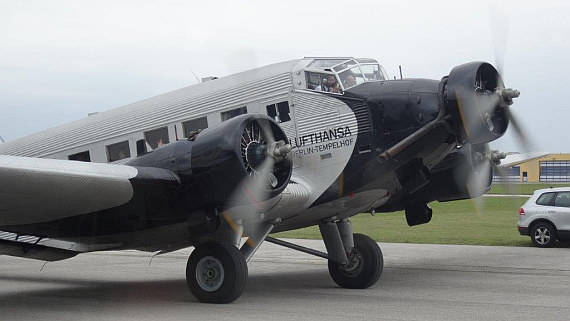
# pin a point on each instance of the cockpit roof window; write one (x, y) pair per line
(344, 65)
(324, 63)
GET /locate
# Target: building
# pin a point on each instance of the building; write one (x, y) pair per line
(550, 168)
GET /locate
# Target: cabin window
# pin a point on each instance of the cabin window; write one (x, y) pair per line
(194, 124)
(157, 138)
(280, 112)
(118, 151)
(233, 113)
(82, 157)
(141, 147)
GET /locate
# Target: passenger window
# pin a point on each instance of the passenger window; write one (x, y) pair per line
(157, 138)
(194, 124)
(141, 147)
(118, 151)
(82, 157)
(545, 199)
(562, 199)
(280, 112)
(233, 113)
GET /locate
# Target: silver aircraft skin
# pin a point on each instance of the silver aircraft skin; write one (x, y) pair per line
(304, 142)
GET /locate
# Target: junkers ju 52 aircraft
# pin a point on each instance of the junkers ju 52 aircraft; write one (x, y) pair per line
(305, 142)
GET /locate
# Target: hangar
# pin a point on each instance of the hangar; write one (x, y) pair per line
(550, 168)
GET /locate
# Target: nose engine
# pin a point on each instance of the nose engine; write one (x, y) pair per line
(478, 102)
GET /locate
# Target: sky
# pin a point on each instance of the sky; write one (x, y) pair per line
(60, 60)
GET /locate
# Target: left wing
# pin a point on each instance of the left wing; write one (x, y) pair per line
(35, 190)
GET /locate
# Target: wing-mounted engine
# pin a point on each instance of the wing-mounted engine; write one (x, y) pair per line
(478, 101)
(223, 156)
(465, 173)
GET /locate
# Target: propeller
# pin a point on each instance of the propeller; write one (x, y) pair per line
(485, 162)
(490, 100)
(267, 163)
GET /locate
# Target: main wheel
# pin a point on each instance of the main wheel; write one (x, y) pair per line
(364, 266)
(543, 234)
(216, 273)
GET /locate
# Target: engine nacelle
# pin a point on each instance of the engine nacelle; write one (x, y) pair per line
(473, 99)
(219, 158)
(449, 178)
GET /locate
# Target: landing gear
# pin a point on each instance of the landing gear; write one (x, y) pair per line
(355, 260)
(364, 266)
(216, 272)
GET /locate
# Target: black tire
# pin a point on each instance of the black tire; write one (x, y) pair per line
(223, 276)
(365, 271)
(543, 234)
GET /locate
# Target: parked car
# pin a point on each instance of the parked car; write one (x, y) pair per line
(545, 216)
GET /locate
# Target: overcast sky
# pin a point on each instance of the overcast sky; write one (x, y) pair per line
(60, 60)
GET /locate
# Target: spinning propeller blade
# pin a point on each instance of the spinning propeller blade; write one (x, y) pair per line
(248, 203)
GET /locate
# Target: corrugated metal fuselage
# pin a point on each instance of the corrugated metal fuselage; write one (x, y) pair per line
(336, 143)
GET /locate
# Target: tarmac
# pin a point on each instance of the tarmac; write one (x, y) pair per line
(419, 282)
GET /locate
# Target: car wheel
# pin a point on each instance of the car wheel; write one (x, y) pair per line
(543, 234)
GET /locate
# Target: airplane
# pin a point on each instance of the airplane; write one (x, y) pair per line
(306, 142)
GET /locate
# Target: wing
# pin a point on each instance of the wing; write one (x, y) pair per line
(34, 190)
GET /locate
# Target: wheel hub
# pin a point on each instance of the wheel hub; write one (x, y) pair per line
(209, 273)
(542, 235)
(354, 264)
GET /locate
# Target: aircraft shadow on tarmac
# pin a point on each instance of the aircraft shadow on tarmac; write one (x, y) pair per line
(51, 293)
(141, 292)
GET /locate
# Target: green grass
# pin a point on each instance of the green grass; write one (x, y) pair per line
(452, 223)
(521, 188)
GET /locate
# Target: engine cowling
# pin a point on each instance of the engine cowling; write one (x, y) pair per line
(224, 155)
(473, 97)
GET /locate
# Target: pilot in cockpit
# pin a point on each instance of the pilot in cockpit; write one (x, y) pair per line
(350, 81)
(329, 84)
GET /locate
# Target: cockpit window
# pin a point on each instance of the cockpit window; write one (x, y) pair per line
(335, 75)
(323, 82)
(351, 77)
(372, 72)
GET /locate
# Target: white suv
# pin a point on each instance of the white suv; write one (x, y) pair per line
(545, 217)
